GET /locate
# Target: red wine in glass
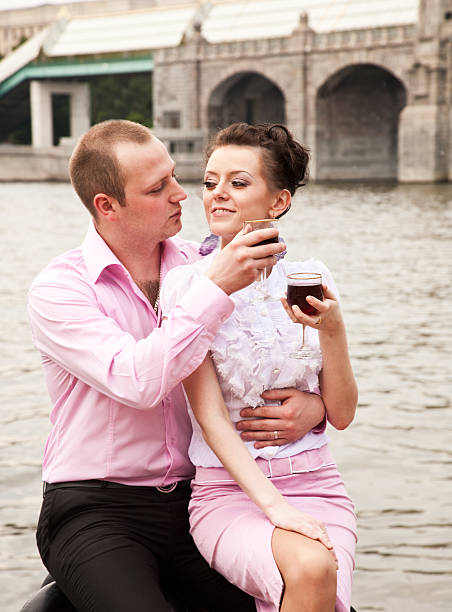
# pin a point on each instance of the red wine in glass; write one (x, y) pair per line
(297, 294)
(299, 286)
(268, 241)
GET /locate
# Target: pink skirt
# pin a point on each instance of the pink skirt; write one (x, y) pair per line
(234, 535)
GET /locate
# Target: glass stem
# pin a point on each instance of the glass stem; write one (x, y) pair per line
(302, 326)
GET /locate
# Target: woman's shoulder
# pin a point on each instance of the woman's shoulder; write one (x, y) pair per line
(309, 265)
(190, 269)
(178, 280)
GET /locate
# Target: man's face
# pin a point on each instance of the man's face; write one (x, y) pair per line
(152, 210)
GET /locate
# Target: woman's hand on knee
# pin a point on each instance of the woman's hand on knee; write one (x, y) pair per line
(287, 517)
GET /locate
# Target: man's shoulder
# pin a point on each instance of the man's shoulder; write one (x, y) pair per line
(70, 263)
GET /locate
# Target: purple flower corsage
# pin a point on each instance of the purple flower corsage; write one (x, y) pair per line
(284, 253)
(209, 244)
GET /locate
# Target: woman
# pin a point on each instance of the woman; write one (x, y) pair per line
(277, 522)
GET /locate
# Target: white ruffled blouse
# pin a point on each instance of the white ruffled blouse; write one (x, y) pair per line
(251, 351)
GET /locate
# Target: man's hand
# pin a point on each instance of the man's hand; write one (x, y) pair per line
(298, 413)
(238, 264)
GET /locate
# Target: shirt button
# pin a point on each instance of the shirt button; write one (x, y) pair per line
(276, 371)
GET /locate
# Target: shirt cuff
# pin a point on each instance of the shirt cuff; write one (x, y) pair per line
(320, 428)
(207, 303)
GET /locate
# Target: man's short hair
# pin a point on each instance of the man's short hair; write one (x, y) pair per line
(94, 167)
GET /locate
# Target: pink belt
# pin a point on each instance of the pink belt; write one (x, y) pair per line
(307, 461)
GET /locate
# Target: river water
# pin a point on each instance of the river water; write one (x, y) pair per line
(390, 250)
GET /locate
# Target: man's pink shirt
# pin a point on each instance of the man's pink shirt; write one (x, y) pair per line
(113, 369)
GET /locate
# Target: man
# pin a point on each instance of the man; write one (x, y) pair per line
(113, 529)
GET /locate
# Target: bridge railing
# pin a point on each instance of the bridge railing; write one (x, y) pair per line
(373, 37)
(299, 40)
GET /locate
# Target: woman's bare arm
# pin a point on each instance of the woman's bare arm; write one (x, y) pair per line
(337, 382)
(206, 400)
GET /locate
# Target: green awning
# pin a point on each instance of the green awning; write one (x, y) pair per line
(68, 69)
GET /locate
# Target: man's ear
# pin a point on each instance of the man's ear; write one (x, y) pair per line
(105, 206)
(281, 203)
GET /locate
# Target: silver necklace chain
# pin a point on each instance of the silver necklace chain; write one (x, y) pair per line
(157, 301)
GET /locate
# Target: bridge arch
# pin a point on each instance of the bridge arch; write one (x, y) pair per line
(357, 112)
(245, 96)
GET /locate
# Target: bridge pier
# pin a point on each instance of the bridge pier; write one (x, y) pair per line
(423, 143)
(41, 110)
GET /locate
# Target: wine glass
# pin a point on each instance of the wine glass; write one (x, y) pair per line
(261, 286)
(299, 286)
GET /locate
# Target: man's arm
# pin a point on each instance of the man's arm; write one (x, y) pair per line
(299, 413)
(70, 328)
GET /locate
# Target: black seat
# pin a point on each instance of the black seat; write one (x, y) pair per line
(50, 598)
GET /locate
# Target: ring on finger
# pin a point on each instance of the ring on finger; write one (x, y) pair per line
(275, 435)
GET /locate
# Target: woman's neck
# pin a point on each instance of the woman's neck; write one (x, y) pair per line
(225, 240)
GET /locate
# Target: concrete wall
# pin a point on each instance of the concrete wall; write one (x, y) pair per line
(23, 163)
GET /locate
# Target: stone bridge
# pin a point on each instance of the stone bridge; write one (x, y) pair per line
(365, 84)
(370, 103)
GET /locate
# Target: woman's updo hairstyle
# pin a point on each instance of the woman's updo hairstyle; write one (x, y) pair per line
(285, 159)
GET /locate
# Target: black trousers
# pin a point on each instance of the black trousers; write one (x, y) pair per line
(119, 549)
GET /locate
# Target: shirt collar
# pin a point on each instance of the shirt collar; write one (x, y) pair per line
(173, 254)
(98, 256)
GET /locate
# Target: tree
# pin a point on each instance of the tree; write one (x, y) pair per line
(125, 96)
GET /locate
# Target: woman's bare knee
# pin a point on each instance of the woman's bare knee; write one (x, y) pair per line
(303, 561)
(308, 570)
(316, 569)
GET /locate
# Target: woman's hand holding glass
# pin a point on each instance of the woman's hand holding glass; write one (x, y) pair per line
(300, 285)
(328, 317)
(321, 314)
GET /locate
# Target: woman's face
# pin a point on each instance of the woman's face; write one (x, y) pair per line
(236, 190)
